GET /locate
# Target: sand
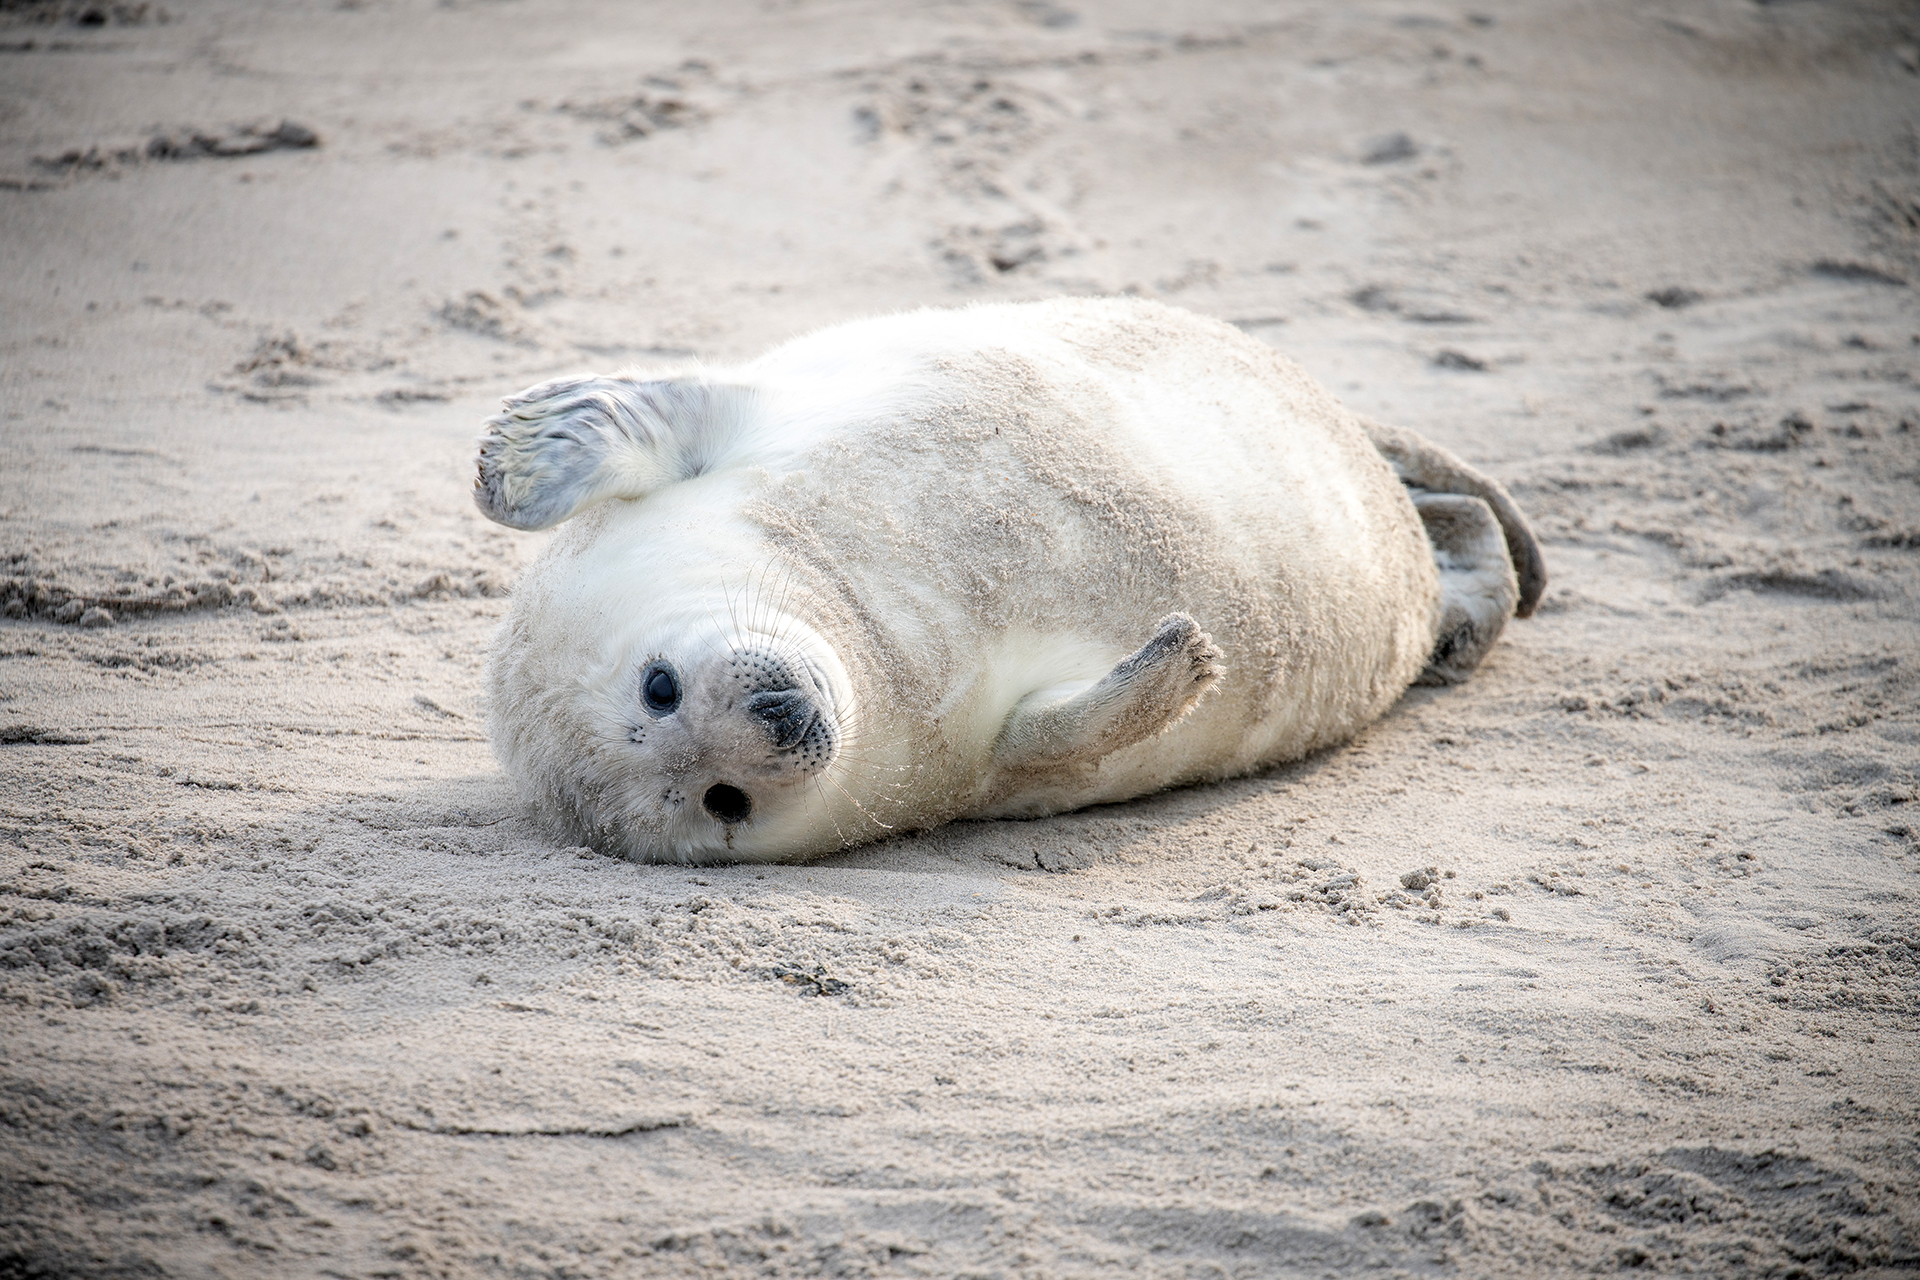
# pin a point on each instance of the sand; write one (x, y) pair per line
(1609, 959)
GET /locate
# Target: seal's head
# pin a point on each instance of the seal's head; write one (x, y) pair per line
(699, 731)
(655, 690)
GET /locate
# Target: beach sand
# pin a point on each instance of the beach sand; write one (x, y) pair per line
(1608, 959)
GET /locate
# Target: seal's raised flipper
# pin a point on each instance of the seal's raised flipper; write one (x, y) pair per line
(572, 442)
(1137, 699)
(1477, 584)
(1421, 464)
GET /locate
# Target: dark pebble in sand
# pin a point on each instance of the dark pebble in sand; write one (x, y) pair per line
(1865, 273)
(1389, 148)
(235, 140)
(1674, 297)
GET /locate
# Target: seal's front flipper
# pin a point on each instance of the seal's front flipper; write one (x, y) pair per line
(572, 442)
(1137, 699)
(1478, 589)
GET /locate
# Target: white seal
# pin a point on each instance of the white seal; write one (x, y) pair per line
(968, 563)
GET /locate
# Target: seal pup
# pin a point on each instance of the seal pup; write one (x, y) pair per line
(1002, 561)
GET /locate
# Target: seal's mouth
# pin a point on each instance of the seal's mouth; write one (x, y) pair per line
(727, 803)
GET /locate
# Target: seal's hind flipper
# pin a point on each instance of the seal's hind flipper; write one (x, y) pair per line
(1477, 585)
(572, 442)
(1143, 695)
(1421, 464)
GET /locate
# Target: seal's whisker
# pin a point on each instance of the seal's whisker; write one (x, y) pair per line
(777, 619)
(893, 797)
(875, 766)
(733, 616)
(882, 797)
(853, 745)
(780, 619)
(853, 759)
(855, 755)
(770, 597)
(826, 806)
(748, 604)
(856, 804)
(733, 650)
(714, 649)
(757, 616)
(787, 596)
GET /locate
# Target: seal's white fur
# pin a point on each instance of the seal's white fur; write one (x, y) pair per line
(994, 556)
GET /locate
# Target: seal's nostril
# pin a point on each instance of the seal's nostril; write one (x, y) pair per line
(788, 714)
(729, 804)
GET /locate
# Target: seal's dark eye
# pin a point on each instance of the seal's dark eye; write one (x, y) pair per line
(659, 689)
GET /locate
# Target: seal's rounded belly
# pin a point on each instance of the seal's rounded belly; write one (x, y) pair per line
(1007, 560)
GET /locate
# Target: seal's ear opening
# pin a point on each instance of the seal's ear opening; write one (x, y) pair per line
(569, 443)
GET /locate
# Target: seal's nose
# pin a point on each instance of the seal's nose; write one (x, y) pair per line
(787, 713)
